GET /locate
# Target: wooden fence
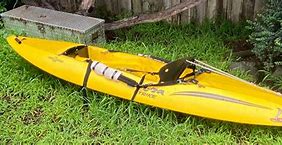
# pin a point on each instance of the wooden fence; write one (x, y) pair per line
(234, 10)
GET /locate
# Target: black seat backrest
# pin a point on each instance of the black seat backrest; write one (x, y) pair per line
(172, 70)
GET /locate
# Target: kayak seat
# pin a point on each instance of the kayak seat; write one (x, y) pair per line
(79, 58)
(172, 70)
(83, 52)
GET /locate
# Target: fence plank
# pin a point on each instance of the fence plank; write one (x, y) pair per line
(185, 16)
(225, 8)
(158, 5)
(124, 5)
(167, 4)
(68, 6)
(145, 6)
(237, 7)
(175, 19)
(259, 5)
(212, 6)
(193, 14)
(152, 5)
(110, 5)
(248, 9)
(201, 11)
(136, 7)
(229, 9)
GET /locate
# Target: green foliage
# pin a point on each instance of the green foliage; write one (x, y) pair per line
(276, 81)
(267, 35)
(2, 6)
(2, 9)
(271, 81)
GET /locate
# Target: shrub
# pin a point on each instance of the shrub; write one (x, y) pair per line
(266, 35)
(2, 5)
(2, 9)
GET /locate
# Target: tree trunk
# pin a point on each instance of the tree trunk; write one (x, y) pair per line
(155, 17)
(85, 5)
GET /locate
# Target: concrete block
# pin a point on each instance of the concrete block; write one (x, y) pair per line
(56, 25)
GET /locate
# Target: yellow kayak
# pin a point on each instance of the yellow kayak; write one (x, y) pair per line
(185, 85)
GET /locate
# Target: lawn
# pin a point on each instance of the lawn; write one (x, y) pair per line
(36, 107)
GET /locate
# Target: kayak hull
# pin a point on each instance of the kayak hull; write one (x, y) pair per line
(215, 96)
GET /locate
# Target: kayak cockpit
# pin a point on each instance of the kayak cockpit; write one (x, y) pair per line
(79, 52)
(156, 71)
(117, 60)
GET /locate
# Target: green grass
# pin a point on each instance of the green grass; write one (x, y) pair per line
(36, 107)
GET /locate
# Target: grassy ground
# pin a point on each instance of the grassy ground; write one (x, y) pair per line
(36, 107)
